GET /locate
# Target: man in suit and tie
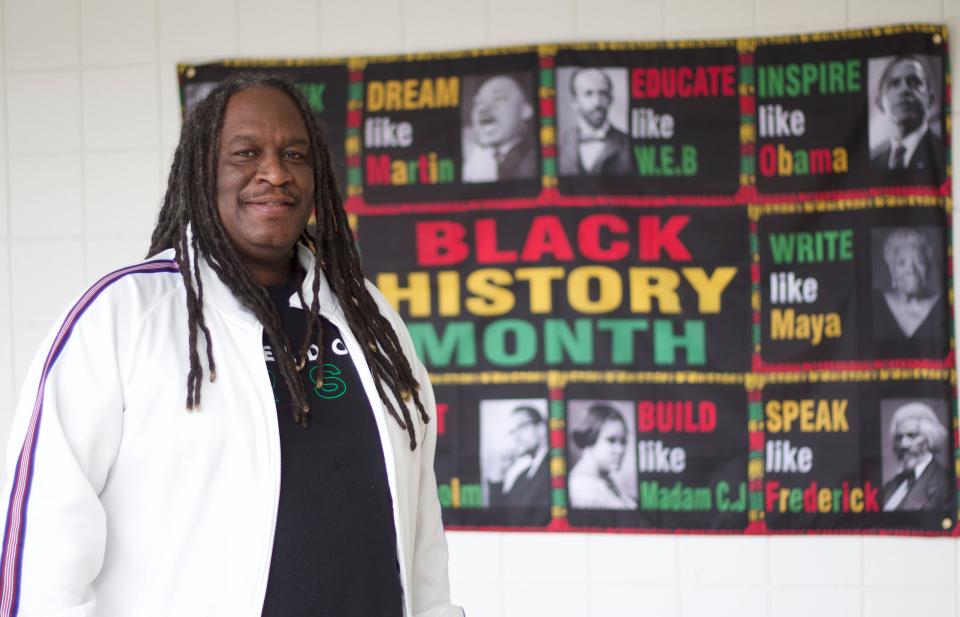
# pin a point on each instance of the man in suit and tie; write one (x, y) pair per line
(593, 146)
(922, 483)
(526, 479)
(906, 97)
(500, 143)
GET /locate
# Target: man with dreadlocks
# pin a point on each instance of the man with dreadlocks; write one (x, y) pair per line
(238, 425)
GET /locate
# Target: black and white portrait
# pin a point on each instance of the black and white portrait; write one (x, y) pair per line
(916, 461)
(592, 122)
(907, 284)
(602, 452)
(499, 137)
(904, 111)
(513, 453)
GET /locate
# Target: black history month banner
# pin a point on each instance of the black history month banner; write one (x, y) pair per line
(679, 286)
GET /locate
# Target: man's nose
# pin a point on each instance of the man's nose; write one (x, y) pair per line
(273, 170)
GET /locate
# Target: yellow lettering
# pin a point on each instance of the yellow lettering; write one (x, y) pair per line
(541, 291)
(659, 283)
(578, 289)
(490, 297)
(709, 288)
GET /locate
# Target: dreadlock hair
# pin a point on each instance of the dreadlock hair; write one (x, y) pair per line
(190, 203)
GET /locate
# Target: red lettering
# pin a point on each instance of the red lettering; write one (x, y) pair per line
(707, 412)
(728, 87)
(683, 88)
(546, 236)
(423, 169)
(440, 243)
(636, 83)
(768, 160)
(683, 81)
(487, 250)
(810, 498)
(700, 87)
(870, 503)
(772, 492)
(653, 238)
(588, 237)
(441, 418)
(645, 420)
(378, 169)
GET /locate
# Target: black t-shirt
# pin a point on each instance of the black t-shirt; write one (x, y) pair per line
(334, 551)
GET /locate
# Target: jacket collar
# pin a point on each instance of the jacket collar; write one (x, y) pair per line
(217, 292)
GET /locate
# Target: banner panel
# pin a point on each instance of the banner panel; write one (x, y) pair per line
(684, 286)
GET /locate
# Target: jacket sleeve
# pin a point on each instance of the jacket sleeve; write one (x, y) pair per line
(431, 586)
(63, 440)
(430, 583)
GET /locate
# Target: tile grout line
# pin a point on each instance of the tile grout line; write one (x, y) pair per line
(8, 352)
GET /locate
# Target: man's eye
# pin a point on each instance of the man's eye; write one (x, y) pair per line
(296, 156)
(246, 154)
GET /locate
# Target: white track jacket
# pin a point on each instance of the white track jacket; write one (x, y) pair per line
(121, 503)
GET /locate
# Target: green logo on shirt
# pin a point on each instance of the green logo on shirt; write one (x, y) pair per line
(326, 384)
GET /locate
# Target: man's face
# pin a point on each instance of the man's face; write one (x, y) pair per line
(499, 111)
(905, 96)
(264, 176)
(908, 269)
(592, 96)
(525, 432)
(909, 443)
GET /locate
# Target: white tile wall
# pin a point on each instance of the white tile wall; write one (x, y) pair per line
(788, 14)
(822, 601)
(4, 202)
(361, 27)
(798, 561)
(120, 108)
(41, 207)
(43, 111)
(122, 192)
(192, 30)
(530, 21)
(41, 34)
(118, 32)
(681, 18)
(265, 29)
(105, 255)
(724, 601)
(636, 19)
(893, 11)
(444, 24)
(723, 560)
(62, 112)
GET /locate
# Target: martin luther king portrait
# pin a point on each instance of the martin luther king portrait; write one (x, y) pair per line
(499, 140)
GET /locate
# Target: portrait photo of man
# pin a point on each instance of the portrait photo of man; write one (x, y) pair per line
(915, 466)
(513, 451)
(904, 113)
(908, 292)
(499, 128)
(592, 120)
